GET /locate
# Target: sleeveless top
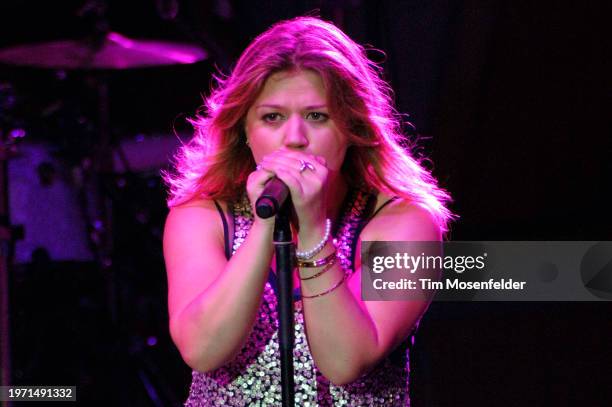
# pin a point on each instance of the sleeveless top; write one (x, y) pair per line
(253, 377)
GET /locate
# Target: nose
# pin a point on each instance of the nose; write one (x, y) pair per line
(295, 133)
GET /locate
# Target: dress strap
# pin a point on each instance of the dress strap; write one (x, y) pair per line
(368, 215)
(387, 202)
(226, 235)
(359, 204)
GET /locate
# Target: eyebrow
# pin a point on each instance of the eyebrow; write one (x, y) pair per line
(272, 106)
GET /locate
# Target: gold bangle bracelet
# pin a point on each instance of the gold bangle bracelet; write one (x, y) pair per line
(316, 263)
(344, 276)
(327, 267)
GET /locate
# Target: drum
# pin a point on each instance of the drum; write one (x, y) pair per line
(44, 200)
(44, 195)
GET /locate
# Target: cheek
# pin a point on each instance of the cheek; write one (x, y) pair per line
(338, 160)
(258, 150)
(259, 141)
(335, 154)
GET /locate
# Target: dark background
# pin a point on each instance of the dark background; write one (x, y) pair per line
(508, 100)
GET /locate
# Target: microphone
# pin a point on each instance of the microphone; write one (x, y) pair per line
(272, 198)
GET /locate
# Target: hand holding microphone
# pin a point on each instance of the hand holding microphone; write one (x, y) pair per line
(284, 174)
(272, 198)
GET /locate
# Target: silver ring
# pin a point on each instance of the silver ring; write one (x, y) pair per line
(305, 165)
(258, 167)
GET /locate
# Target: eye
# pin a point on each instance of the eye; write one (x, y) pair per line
(317, 116)
(271, 117)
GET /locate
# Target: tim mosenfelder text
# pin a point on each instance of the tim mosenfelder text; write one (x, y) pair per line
(423, 262)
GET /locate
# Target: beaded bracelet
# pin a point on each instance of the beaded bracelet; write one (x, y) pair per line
(309, 254)
(316, 263)
(327, 267)
(329, 290)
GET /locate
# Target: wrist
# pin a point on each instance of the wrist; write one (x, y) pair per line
(310, 233)
(263, 225)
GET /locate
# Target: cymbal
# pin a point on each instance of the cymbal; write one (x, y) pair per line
(116, 52)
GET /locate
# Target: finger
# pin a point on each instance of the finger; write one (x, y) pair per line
(284, 170)
(257, 181)
(280, 160)
(321, 160)
(296, 155)
(262, 173)
(300, 162)
(261, 168)
(310, 178)
(293, 183)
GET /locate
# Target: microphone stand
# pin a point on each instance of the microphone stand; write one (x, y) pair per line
(283, 246)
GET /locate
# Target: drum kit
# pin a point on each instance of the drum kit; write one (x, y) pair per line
(68, 211)
(114, 52)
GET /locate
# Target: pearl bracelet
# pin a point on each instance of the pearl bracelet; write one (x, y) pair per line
(308, 254)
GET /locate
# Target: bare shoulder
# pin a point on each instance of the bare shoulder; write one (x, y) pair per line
(202, 203)
(197, 215)
(191, 228)
(193, 250)
(401, 220)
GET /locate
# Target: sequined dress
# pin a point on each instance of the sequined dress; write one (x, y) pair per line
(253, 377)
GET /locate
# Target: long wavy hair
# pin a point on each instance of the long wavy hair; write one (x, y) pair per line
(216, 162)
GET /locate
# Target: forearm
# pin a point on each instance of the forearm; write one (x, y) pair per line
(212, 329)
(341, 335)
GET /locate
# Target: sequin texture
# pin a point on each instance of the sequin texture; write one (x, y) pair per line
(253, 377)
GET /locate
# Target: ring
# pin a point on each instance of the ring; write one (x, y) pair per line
(305, 165)
(258, 167)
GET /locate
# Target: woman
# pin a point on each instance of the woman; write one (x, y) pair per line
(303, 104)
